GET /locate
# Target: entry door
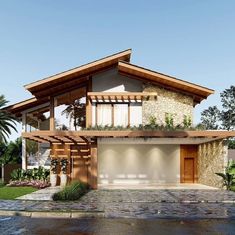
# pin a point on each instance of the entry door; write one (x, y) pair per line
(188, 164)
(189, 170)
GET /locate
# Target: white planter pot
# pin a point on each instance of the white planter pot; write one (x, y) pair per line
(53, 179)
(63, 180)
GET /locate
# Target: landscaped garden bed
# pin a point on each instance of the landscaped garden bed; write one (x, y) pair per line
(37, 178)
(71, 192)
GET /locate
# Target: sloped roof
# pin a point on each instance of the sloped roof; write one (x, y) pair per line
(19, 107)
(79, 76)
(199, 92)
(72, 76)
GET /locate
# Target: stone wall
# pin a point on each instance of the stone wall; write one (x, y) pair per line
(212, 158)
(166, 102)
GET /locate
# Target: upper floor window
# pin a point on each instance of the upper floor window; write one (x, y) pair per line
(70, 110)
(116, 114)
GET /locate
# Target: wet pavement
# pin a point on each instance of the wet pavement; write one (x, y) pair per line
(41, 195)
(47, 226)
(142, 204)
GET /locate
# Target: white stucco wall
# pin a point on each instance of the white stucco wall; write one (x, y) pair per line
(138, 164)
(112, 81)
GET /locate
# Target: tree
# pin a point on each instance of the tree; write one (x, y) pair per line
(7, 121)
(76, 112)
(11, 153)
(14, 151)
(210, 118)
(228, 112)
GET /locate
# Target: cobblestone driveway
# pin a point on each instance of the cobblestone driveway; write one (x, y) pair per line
(141, 204)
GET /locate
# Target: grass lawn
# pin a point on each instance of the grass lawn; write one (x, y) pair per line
(14, 192)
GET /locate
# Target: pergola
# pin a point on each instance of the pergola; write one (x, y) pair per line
(86, 136)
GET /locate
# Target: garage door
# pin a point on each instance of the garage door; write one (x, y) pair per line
(138, 164)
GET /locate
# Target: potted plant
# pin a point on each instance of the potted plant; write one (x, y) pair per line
(63, 177)
(53, 175)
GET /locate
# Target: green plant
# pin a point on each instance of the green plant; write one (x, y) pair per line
(2, 184)
(7, 121)
(187, 121)
(42, 173)
(76, 111)
(11, 152)
(30, 174)
(18, 174)
(152, 120)
(64, 163)
(71, 192)
(169, 120)
(54, 164)
(31, 147)
(229, 175)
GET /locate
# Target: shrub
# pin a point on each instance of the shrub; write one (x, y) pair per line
(187, 121)
(2, 184)
(30, 174)
(37, 177)
(71, 192)
(169, 120)
(229, 176)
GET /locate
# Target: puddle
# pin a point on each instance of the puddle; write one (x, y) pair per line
(19, 231)
(5, 219)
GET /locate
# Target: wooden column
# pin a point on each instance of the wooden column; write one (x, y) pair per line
(52, 114)
(93, 166)
(88, 104)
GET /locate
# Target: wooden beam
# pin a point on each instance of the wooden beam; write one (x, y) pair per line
(130, 133)
(94, 166)
(52, 114)
(58, 139)
(88, 104)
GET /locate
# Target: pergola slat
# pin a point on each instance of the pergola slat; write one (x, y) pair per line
(84, 135)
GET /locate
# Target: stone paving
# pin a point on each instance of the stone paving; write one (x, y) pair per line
(41, 195)
(140, 204)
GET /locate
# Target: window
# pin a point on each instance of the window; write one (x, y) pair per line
(135, 114)
(120, 115)
(104, 114)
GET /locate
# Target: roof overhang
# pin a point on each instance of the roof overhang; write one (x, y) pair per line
(17, 108)
(197, 92)
(56, 137)
(73, 76)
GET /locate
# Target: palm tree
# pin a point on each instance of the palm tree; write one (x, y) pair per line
(76, 112)
(11, 153)
(7, 121)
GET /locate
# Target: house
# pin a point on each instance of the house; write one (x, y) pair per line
(115, 123)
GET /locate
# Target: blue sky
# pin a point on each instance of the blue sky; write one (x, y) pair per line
(190, 39)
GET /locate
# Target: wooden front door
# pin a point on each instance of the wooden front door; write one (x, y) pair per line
(189, 170)
(188, 163)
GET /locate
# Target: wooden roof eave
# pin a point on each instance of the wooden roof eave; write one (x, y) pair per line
(197, 91)
(78, 71)
(17, 108)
